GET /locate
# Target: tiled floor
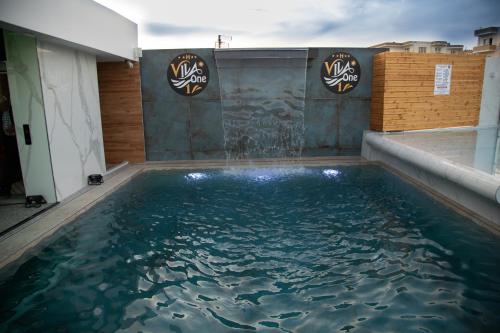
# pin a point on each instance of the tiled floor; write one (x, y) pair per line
(12, 211)
(474, 148)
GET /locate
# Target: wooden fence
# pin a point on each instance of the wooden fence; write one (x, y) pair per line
(403, 91)
(121, 112)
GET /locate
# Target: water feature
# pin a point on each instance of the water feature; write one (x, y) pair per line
(263, 102)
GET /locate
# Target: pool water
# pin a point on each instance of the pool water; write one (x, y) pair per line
(344, 249)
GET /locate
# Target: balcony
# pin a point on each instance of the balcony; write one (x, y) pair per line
(484, 48)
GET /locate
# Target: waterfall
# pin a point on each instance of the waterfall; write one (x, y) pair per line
(263, 101)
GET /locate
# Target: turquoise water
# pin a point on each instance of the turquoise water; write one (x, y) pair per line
(346, 249)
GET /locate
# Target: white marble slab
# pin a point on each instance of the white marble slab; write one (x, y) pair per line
(71, 100)
(27, 107)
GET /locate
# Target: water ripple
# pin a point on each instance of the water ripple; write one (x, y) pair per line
(272, 250)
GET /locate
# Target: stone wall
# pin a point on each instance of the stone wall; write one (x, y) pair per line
(178, 127)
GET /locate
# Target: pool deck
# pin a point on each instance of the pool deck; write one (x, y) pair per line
(478, 149)
(26, 237)
(457, 163)
(13, 211)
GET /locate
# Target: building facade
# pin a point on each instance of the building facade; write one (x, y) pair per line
(488, 41)
(422, 47)
(50, 80)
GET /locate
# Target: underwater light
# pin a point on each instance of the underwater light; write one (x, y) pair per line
(196, 176)
(263, 178)
(331, 172)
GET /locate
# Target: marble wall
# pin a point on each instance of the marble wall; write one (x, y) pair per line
(71, 100)
(27, 106)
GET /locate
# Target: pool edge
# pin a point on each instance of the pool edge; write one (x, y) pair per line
(20, 241)
(467, 192)
(443, 199)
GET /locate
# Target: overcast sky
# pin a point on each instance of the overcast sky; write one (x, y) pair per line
(285, 23)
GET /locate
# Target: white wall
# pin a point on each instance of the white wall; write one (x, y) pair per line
(71, 99)
(490, 98)
(83, 22)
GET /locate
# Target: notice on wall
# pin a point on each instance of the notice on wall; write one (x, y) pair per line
(442, 79)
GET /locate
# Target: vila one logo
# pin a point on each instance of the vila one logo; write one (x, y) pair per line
(188, 74)
(340, 72)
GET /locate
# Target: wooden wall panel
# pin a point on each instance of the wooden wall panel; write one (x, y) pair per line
(403, 91)
(121, 112)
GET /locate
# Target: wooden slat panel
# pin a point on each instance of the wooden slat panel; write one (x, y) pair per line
(403, 91)
(121, 112)
(377, 102)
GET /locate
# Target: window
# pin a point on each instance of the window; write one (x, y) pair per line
(453, 51)
(422, 50)
(491, 41)
(484, 41)
(407, 49)
(437, 50)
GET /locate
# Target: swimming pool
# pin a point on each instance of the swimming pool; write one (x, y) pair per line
(349, 249)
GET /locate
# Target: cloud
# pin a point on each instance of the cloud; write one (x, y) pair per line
(162, 29)
(453, 21)
(307, 28)
(266, 23)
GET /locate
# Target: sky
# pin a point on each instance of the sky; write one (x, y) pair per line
(304, 23)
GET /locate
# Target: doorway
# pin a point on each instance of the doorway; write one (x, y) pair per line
(15, 182)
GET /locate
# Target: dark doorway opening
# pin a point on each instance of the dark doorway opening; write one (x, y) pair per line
(12, 192)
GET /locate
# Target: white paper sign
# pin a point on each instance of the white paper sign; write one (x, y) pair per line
(442, 79)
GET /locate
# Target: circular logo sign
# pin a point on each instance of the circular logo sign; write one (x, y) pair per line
(187, 74)
(340, 72)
